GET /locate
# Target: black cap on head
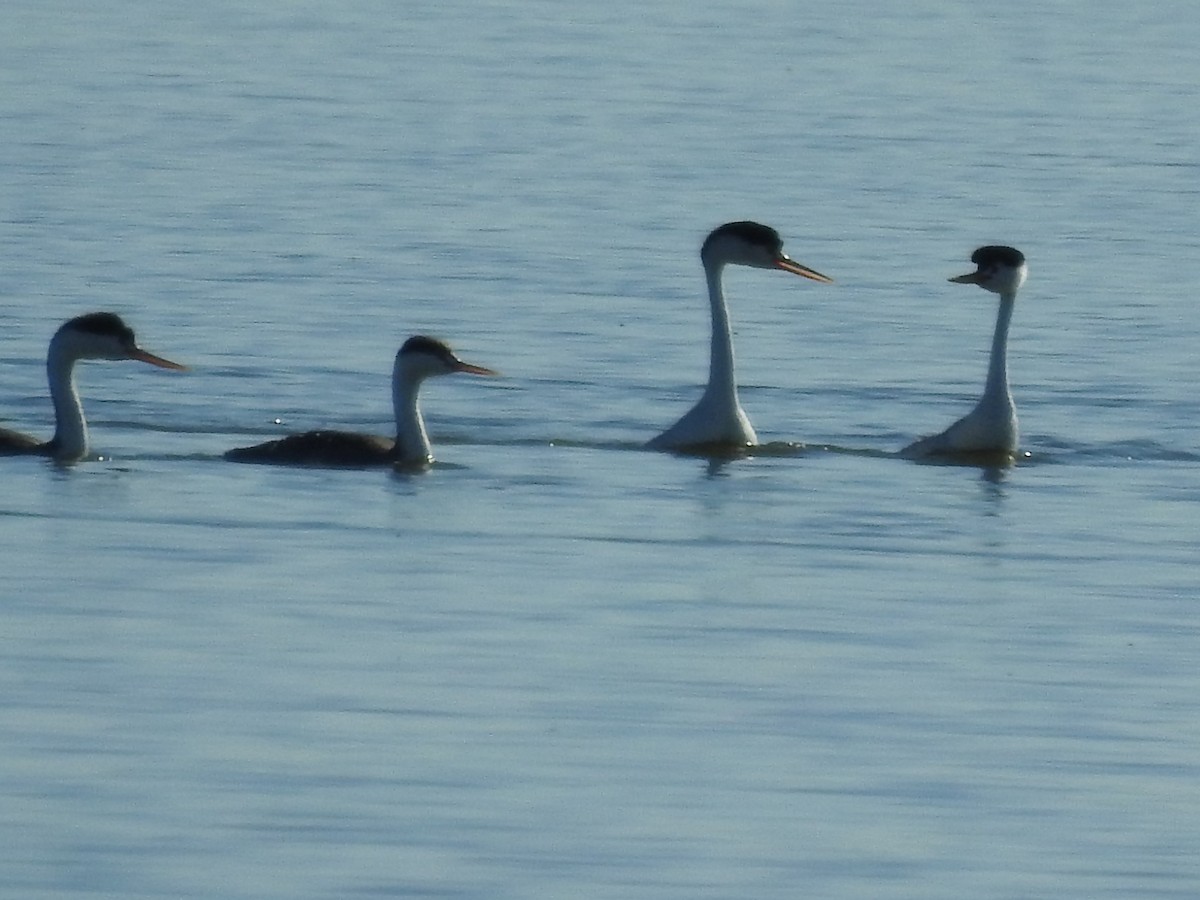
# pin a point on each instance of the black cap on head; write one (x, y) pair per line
(750, 232)
(998, 255)
(421, 343)
(103, 323)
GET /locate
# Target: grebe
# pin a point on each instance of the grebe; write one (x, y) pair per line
(420, 358)
(991, 427)
(100, 335)
(717, 419)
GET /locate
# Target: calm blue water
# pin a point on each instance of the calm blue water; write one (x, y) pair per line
(557, 665)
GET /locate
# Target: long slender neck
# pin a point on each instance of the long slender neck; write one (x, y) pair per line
(722, 383)
(70, 441)
(997, 377)
(412, 443)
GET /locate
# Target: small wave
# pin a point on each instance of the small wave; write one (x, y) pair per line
(1136, 450)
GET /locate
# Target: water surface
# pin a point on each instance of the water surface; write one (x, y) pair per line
(557, 664)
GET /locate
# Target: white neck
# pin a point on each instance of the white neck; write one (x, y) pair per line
(412, 443)
(717, 418)
(722, 381)
(70, 441)
(996, 388)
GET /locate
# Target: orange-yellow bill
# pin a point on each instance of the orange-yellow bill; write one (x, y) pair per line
(790, 265)
(470, 369)
(144, 356)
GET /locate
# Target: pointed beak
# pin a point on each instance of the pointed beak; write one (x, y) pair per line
(969, 278)
(468, 368)
(143, 356)
(790, 265)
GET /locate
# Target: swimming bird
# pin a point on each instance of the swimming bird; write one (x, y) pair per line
(419, 358)
(991, 427)
(100, 335)
(718, 419)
